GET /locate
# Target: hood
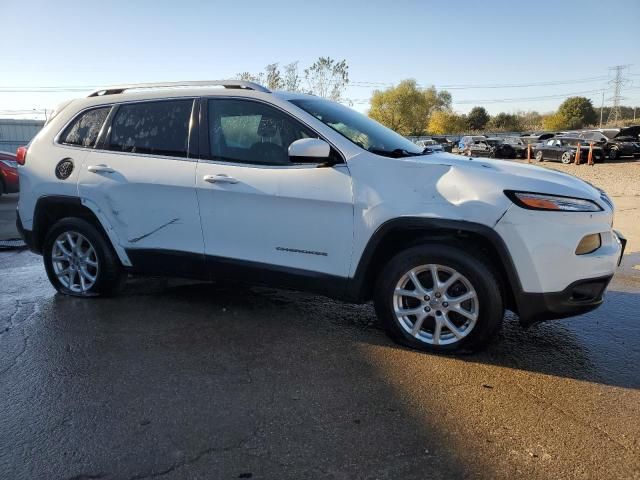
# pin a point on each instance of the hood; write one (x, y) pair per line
(632, 131)
(508, 175)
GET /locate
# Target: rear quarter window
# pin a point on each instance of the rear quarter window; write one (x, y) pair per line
(83, 131)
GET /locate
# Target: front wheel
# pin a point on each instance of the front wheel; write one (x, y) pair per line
(539, 156)
(80, 261)
(439, 298)
(566, 158)
(614, 154)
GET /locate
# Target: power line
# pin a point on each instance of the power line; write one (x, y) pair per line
(367, 84)
(355, 83)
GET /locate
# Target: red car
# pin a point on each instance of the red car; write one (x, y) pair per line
(8, 173)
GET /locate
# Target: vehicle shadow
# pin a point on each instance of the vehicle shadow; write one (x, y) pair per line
(223, 380)
(602, 346)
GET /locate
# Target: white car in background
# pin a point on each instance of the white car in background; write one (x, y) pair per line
(228, 180)
(432, 145)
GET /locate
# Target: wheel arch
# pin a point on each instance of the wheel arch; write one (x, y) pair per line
(51, 208)
(398, 234)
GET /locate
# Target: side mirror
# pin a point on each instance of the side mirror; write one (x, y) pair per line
(310, 150)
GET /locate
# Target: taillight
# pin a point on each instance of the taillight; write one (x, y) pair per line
(21, 155)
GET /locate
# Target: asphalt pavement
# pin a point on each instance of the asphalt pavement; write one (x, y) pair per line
(177, 379)
(8, 216)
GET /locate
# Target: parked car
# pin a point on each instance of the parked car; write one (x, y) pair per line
(564, 149)
(469, 140)
(519, 146)
(9, 182)
(534, 138)
(430, 144)
(488, 147)
(447, 144)
(291, 190)
(616, 143)
(501, 149)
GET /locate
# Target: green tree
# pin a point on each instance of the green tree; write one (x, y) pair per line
(478, 118)
(327, 78)
(406, 108)
(555, 121)
(507, 122)
(578, 112)
(444, 122)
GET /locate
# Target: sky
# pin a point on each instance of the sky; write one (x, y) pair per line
(464, 46)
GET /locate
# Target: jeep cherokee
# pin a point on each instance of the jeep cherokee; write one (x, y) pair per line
(228, 180)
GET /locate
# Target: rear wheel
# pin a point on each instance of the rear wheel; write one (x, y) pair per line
(566, 157)
(539, 156)
(439, 298)
(79, 260)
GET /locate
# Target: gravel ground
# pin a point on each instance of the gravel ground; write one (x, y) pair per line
(618, 178)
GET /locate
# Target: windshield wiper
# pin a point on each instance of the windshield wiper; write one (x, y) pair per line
(397, 153)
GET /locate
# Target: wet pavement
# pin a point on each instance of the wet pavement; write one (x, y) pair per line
(176, 379)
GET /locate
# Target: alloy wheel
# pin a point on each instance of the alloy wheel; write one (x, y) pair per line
(436, 304)
(75, 262)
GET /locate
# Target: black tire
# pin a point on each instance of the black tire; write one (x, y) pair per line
(539, 156)
(110, 276)
(614, 154)
(477, 271)
(566, 158)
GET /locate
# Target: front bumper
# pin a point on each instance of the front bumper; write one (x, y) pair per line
(554, 282)
(580, 297)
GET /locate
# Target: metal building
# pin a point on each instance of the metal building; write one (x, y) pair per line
(15, 133)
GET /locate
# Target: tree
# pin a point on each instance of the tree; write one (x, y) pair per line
(555, 121)
(443, 122)
(406, 108)
(292, 82)
(327, 78)
(478, 118)
(250, 77)
(506, 122)
(578, 112)
(273, 78)
(530, 120)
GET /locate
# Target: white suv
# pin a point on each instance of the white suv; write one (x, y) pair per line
(217, 180)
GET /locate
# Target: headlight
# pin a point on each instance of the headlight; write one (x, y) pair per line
(10, 163)
(542, 201)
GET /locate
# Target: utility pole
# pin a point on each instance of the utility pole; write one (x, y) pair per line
(618, 82)
(601, 108)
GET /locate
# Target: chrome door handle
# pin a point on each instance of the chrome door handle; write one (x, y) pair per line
(100, 169)
(220, 178)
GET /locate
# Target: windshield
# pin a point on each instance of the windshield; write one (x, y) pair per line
(358, 128)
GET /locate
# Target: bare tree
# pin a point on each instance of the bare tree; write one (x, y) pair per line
(327, 78)
(273, 77)
(250, 77)
(292, 81)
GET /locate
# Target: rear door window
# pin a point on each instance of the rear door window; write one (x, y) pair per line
(84, 130)
(155, 128)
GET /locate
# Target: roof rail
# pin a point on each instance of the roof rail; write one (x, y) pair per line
(239, 84)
